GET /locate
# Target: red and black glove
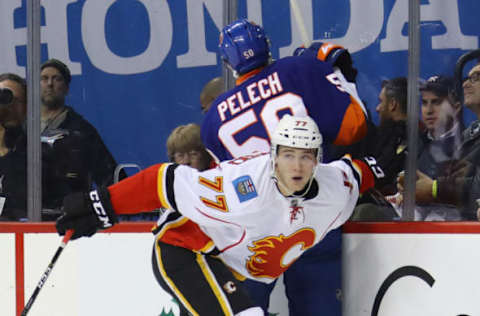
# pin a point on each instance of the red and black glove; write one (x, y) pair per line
(372, 171)
(86, 213)
(383, 168)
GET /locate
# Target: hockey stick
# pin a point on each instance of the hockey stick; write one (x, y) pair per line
(45, 275)
(301, 26)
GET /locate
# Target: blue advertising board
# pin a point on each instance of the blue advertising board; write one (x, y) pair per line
(138, 66)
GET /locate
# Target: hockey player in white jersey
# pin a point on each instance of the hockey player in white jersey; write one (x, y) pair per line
(250, 217)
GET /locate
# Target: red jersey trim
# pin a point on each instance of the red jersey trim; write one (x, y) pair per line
(187, 234)
(367, 178)
(139, 193)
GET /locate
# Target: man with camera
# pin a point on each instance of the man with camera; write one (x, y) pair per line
(13, 96)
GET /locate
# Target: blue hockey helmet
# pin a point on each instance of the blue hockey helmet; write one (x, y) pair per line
(244, 46)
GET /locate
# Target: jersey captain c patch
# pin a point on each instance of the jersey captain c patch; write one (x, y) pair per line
(244, 188)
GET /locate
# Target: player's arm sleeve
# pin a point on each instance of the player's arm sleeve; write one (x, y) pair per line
(334, 104)
(347, 190)
(147, 190)
(362, 173)
(168, 186)
(354, 124)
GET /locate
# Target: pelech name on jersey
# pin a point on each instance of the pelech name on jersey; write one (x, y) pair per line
(253, 93)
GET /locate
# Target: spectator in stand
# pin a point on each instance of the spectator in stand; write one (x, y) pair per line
(13, 99)
(185, 147)
(210, 92)
(390, 133)
(392, 113)
(461, 184)
(442, 118)
(73, 154)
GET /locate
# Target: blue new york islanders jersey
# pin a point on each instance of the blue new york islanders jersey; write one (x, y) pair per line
(240, 121)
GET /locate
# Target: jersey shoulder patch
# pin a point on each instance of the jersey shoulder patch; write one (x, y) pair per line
(245, 188)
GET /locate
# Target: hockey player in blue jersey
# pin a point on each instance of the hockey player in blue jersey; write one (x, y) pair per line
(242, 120)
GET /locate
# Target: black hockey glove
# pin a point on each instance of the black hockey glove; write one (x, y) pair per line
(335, 55)
(86, 213)
(385, 167)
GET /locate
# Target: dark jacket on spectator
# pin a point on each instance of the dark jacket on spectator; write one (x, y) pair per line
(73, 158)
(13, 197)
(436, 155)
(461, 185)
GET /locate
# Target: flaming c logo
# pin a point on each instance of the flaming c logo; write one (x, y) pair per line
(273, 255)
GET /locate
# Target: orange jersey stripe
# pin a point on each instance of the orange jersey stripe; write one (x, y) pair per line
(248, 75)
(161, 189)
(354, 125)
(325, 50)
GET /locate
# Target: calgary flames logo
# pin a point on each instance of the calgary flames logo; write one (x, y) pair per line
(273, 255)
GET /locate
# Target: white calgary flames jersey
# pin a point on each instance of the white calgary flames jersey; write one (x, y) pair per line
(256, 230)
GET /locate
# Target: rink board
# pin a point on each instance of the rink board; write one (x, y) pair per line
(388, 269)
(107, 274)
(411, 269)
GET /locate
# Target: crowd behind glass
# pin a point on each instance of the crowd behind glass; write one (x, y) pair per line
(74, 157)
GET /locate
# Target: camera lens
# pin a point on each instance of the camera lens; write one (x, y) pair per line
(6, 96)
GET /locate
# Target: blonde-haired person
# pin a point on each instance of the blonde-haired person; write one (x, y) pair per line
(185, 147)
